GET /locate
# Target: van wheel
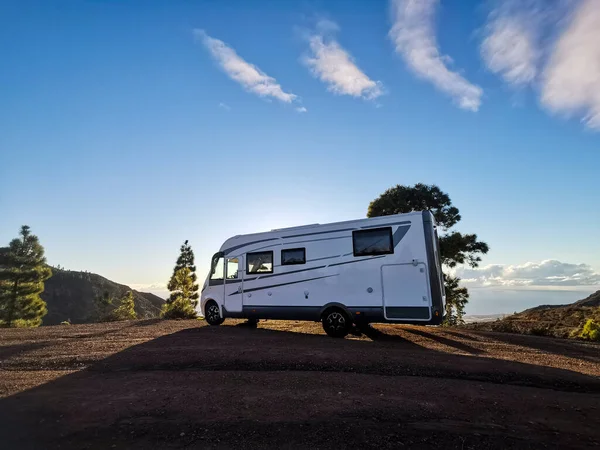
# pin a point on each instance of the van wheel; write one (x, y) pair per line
(213, 316)
(336, 323)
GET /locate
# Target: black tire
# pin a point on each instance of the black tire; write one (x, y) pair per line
(212, 314)
(336, 323)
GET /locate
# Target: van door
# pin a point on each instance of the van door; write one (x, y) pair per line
(233, 284)
(406, 292)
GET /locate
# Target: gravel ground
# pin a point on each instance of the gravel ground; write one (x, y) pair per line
(181, 384)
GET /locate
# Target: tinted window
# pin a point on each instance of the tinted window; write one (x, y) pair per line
(293, 256)
(373, 242)
(259, 262)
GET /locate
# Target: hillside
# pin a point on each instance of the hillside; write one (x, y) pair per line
(70, 296)
(547, 320)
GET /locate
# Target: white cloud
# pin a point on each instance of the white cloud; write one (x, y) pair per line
(548, 273)
(334, 66)
(571, 80)
(414, 37)
(301, 109)
(511, 46)
(224, 106)
(159, 289)
(527, 42)
(248, 75)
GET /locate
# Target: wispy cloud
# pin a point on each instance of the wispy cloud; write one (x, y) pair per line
(224, 106)
(414, 37)
(301, 109)
(511, 44)
(551, 45)
(548, 273)
(334, 66)
(246, 74)
(571, 80)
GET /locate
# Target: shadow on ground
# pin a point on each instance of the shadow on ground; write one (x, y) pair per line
(234, 386)
(587, 351)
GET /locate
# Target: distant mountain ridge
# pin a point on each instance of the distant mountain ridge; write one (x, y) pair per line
(69, 295)
(590, 301)
(547, 320)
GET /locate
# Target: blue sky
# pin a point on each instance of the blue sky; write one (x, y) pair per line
(128, 127)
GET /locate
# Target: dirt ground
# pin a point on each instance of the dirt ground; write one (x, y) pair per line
(168, 384)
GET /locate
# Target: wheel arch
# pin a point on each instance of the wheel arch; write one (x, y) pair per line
(335, 305)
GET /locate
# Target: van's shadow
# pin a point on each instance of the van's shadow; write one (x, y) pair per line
(45, 416)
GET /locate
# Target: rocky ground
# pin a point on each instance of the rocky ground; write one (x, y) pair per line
(168, 384)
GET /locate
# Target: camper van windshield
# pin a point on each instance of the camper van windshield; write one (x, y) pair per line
(216, 271)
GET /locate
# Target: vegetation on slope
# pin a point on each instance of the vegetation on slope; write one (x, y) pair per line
(578, 320)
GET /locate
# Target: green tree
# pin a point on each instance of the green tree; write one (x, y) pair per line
(126, 308)
(180, 304)
(455, 248)
(23, 270)
(456, 299)
(184, 261)
(183, 298)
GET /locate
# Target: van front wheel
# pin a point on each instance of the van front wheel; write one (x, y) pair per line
(336, 323)
(212, 314)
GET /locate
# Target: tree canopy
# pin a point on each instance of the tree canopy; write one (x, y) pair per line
(23, 270)
(455, 248)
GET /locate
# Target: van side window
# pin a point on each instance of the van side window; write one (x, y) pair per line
(376, 241)
(259, 262)
(291, 256)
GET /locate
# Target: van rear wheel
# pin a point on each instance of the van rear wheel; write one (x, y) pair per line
(212, 314)
(336, 323)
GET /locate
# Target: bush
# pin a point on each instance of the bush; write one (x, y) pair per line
(541, 330)
(591, 331)
(22, 323)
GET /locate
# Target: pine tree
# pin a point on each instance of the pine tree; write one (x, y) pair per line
(126, 308)
(185, 261)
(23, 270)
(180, 304)
(183, 300)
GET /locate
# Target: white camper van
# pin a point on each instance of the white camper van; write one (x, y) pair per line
(382, 269)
